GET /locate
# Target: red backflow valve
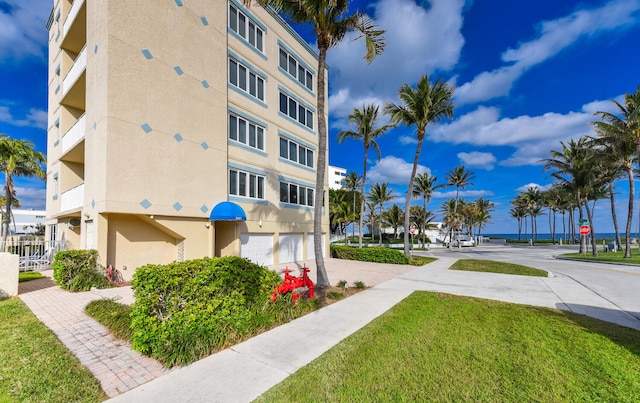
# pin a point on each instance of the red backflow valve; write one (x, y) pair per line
(297, 286)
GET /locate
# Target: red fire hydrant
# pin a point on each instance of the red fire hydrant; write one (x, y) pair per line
(295, 285)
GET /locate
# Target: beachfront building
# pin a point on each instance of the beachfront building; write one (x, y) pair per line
(336, 177)
(180, 129)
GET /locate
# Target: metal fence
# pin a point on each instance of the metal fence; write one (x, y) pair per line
(35, 254)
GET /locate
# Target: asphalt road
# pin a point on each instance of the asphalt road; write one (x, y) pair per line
(619, 284)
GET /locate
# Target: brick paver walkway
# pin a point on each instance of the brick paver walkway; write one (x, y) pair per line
(112, 362)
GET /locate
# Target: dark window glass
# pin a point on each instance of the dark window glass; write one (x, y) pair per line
(284, 192)
(233, 182)
(310, 158)
(259, 39)
(309, 81)
(309, 197)
(293, 151)
(242, 25)
(293, 194)
(252, 33)
(252, 186)
(301, 75)
(252, 135)
(301, 114)
(242, 131)
(252, 84)
(302, 157)
(260, 138)
(283, 59)
(260, 187)
(309, 119)
(242, 183)
(233, 127)
(293, 108)
(242, 77)
(260, 89)
(292, 66)
(303, 197)
(233, 18)
(283, 103)
(233, 72)
(284, 148)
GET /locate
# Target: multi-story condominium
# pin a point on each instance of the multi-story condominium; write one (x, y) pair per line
(336, 177)
(180, 129)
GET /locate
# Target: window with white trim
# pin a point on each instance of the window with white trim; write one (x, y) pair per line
(247, 80)
(244, 26)
(296, 194)
(295, 152)
(246, 132)
(246, 184)
(295, 110)
(295, 69)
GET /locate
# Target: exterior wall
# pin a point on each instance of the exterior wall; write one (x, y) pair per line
(154, 156)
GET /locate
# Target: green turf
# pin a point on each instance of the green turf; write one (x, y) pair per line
(490, 266)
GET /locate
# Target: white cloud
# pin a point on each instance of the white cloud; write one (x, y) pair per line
(478, 159)
(526, 187)
(463, 193)
(30, 197)
(393, 170)
(33, 118)
(553, 37)
(425, 39)
(406, 140)
(22, 31)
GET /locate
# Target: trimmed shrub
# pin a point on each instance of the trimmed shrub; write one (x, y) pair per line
(376, 254)
(183, 311)
(77, 270)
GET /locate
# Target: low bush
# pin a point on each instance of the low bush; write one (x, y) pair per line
(77, 270)
(114, 316)
(359, 285)
(376, 254)
(185, 311)
(335, 295)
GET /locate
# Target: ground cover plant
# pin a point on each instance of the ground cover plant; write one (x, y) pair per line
(36, 367)
(615, 257)
(491, 266)
(114, 316)
(439, 347)
(29, 275)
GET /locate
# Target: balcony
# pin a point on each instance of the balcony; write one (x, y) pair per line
(79, 66)
(72, 199)
(74, 134)
(74, 28)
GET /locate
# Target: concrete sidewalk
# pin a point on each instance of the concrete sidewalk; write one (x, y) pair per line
(243, 372)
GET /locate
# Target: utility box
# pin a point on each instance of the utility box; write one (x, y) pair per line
(9, 274)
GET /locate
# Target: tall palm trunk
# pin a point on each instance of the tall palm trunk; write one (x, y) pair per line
(322, 278)
(362, 203)
(627, 249)
(583, 245)
(9, 201)
(614, 216)
(594, 247)
(407, 204)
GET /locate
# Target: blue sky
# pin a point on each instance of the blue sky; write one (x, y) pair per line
(528, 75)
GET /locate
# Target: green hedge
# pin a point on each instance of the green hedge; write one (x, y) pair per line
(376, 254)
(77, 270)
(184, 311)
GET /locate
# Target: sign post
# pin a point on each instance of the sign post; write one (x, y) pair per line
(584, 230)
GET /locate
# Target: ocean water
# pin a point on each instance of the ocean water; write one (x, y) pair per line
(542, 237)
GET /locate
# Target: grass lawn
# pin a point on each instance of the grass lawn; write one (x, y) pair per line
(28, 276)
(616, 257)
(438, 347)
(35, 366)
(421, 260)
(490, 266)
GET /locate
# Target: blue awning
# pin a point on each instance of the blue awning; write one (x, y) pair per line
(227, 211)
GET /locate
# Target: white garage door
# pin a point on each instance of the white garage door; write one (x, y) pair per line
(290, 249)
(310, 248)
(257, 247)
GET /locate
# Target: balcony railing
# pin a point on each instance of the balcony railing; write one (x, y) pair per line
(79, 65)
(74, 134)
(72, 198)
(73, 13)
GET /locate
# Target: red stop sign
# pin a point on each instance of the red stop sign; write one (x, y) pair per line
(584, 230)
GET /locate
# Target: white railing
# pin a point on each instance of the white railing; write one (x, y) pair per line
(35, 254)
(73, 13)
(79, 65)
(74, 134)
(72, 198)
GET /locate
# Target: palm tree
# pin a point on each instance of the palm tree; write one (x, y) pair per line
(421, 218)
(365, 121)
(460, 178)
(622, 134)
(483, 216)
(17, 158)
(345, 215)
(394, 217)
(352, 182)
(427, 103)
(379, 194)
(519, 213)
(3, 200)
(331, 22)
(424, 185)
(532, 199)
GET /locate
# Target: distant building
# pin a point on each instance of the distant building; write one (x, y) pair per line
(26, 221)
(336, 176)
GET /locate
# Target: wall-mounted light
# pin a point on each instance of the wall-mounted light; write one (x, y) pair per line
(293, 224)
(207, 224)
(151, 216)
(124, 267)
(260, 223)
